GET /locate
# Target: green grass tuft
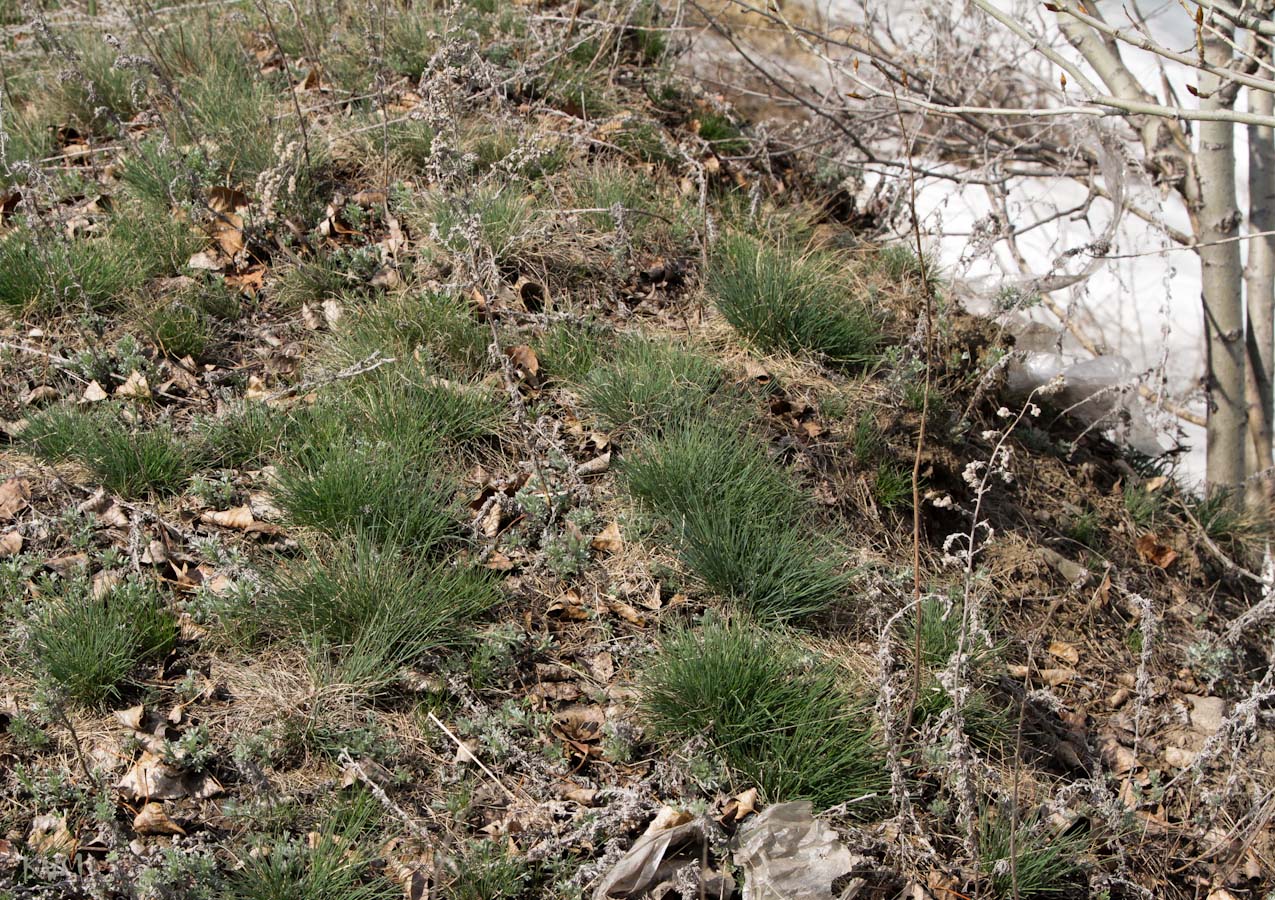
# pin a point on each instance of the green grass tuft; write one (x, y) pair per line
(782, 300)
(244, 434)
(377, 490)
(365, 610)
(90, 647)
(440, 326)
(132, 462)
(333, 863)
(784, 722)
(648, 383)
(1044, 863)
(739, 518)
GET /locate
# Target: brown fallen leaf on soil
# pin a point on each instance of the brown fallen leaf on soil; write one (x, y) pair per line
(153, 820)
(239, 517)
(757, 373)
(608, 540)
(134, 387)
(1056, 677)
(41, 394)
(1159, 555)
(151, 778)
(568, 606)
(10, 544)
(15, 496)
(49, 835)
(93, 393)
(627, 613)
(1065, 652)
(525, 360)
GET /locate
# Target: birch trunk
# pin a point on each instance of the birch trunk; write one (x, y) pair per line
(1222, 279)
(1259, 289)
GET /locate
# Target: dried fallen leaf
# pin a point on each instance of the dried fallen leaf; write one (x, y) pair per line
(153, 820)
(308, 318)
(134, 387)
(1065, 652)
(205, 261)
(568, 606)
(757, 373)
(256, 389)
(104, 582)
(608, 539)
(93, 393)
(15, 494)
(239, 517)
(595, 466)
(10, 544)
(151, 778)
(1056, 677)
(331, 312)
(627, 613)
(41, 394)
(49, 835)
(525, 359)
(131, 718)
(1159, 555)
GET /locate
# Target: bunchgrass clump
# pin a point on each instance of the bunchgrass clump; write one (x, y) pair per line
(55, 275)
(408, 410)
(487, 870)
(1029, 859)
(89, 646)
(784, 722)
(782, 299)
(377, 490)
(738, 517)
(366, 608)
(647, 384)
(244, 434)
(58, 432)
(440, 327)
(130, 461)
(568, 352)
(330, 863)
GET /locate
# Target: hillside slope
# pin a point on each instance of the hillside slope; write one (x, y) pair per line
(441, 440)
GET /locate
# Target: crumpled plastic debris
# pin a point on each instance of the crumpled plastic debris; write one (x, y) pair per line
(1099, 390)
(651, 866)
(786, 853)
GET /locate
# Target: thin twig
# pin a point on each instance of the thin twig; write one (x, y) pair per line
(472, 756)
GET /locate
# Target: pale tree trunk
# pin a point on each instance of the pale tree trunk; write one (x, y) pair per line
(1222, 279)
(1259, 291)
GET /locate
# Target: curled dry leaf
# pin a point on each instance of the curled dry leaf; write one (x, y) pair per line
(1056, 677)
(239, 517)
(608, 540)
(49, 835)
(41, 394)
(131, 718)
(756, 372)
(331, 312)
(568, 606)
(1065, 651)
(15, 496)
(525, 359)
(10, 544)
(595, 466)
(627, 613)
(134, 387)
(1151, 550)
(256, 389)
(153, 820)
(151, 778)
(93, 393)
